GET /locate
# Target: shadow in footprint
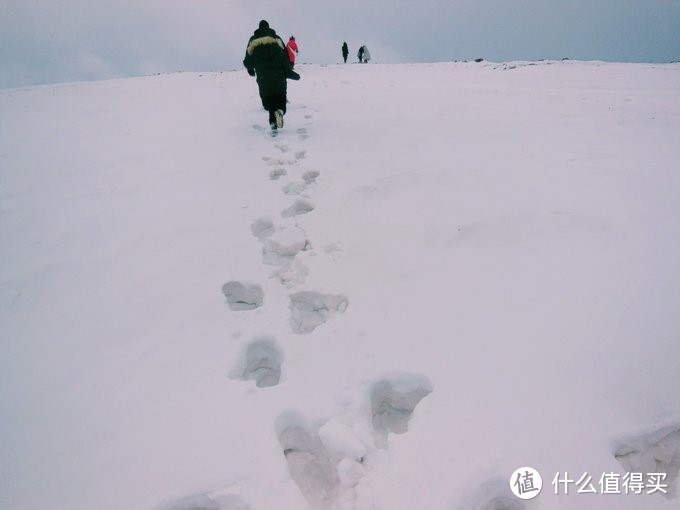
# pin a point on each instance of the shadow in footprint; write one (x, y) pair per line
(261, 363)
(299, 207)
(208, 502)
(262, 228)
(310, 310)
(277, 173)
(393, 401)
(294, 188)
(242, 296)
(310, 466)
(310, 176)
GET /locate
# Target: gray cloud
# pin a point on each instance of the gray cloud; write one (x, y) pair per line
(43, 41)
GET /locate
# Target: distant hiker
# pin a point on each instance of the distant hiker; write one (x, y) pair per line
(266, 59)
(345, 51)
(367, 55)
(360, 54)
(292, 49)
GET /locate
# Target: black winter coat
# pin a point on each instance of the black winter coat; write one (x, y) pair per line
(265, 55)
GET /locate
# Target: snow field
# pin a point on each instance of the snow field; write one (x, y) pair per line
(434, 274)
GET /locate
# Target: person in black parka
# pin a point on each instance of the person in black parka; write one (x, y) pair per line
(266, 58)
(345, 51)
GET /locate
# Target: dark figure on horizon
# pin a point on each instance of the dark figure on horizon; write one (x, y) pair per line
(266, 58)
(345, 51)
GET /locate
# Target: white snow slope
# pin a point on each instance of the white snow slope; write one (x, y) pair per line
(437, 274)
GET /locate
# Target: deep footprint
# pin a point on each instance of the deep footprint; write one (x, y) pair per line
(309, 310)
(262, 363)
(277, 173)
(294, 188)
(298, 208)
(393, 402)
(242, 297)
(310, 466)
(262, 228)
(310, 176)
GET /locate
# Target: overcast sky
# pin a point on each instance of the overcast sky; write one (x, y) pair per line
(47, 41)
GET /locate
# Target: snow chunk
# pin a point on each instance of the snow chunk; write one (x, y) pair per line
(292, 274)
(281, 247)
(341, 440)
(350, 472)
(658, 452)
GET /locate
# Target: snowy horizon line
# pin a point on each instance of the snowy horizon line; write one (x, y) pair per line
(479, 60)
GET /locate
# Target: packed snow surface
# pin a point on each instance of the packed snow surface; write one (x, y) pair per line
(434, 275)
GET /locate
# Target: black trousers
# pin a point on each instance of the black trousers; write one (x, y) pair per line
(273, 103)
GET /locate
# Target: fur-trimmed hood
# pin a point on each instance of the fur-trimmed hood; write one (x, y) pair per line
(263, 37)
